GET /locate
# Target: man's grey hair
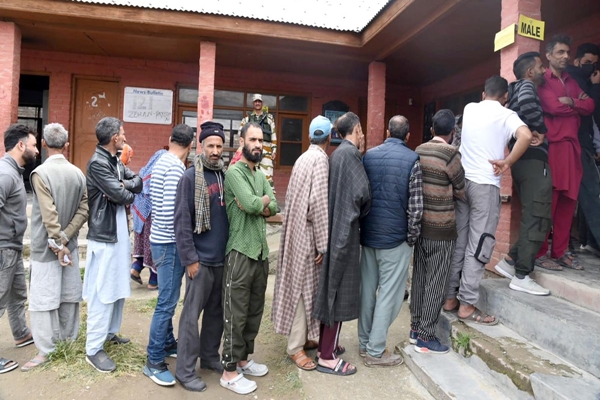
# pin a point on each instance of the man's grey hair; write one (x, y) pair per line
(106, 128)
(55, 136)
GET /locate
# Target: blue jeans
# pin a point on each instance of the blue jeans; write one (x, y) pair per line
(170, 272)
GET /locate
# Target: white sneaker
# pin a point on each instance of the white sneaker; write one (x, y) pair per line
(528, 285)
(505, 269)
(253, 369)
(239, 385)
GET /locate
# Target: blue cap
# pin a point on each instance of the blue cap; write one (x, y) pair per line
(320, 127)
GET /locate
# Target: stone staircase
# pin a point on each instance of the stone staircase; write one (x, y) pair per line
(545, 348)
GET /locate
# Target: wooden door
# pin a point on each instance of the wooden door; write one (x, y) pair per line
(94, 100)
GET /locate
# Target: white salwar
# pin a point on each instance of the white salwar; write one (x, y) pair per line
(106, 285)
(54, 302)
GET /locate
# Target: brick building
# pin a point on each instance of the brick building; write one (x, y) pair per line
(72, 62)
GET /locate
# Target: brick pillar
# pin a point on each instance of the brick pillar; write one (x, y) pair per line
(510, 214)
(376, 105)
(10, 70)
(206, 82)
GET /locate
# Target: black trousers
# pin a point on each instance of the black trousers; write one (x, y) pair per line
(203, 293)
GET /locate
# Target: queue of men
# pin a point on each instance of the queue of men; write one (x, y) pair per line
(350, 226)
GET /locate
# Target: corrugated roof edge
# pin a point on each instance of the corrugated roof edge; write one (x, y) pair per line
(182, 9)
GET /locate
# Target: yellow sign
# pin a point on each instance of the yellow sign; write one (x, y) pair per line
(505, 37)
(531, 28)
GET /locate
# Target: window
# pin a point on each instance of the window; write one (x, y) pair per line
(289, 111)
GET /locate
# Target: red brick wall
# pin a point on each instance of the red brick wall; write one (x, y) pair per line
(10, 58)
(145, 139)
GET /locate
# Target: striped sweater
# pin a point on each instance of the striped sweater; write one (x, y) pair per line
(443, 181)
(524, 100)
(166, 174)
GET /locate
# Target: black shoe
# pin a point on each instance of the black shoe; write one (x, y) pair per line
(101, 361)
(119, 340)
(212, 365)
(196, 385)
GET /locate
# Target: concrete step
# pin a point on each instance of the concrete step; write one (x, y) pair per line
(563, 328)
(578, 287)
(449, 377)
(517, 367)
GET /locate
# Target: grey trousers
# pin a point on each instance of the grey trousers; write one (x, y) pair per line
(13, 291)
(383, 274)
(201, 293)
(49, 327)
(476, 219)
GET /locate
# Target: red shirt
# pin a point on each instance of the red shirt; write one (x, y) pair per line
(564, 155)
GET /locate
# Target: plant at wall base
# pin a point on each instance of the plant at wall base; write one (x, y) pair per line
(461, 343)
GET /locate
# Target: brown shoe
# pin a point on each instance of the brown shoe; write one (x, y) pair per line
(387, 359)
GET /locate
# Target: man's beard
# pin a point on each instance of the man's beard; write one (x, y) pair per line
(255, 158)
(209, 160)
(30, 158)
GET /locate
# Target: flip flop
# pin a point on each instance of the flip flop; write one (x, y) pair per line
(548, 263)
(569, 261)
(302, 361)
(136, 279)
(7, 365)
(478, 317)
(340, 369)
(25, 342)
(34, 363)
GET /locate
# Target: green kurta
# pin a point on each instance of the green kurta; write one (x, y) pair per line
(247, 233)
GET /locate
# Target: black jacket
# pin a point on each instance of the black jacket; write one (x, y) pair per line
(109, 184)
(586, 129)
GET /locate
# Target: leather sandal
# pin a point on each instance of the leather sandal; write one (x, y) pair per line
(302, 361)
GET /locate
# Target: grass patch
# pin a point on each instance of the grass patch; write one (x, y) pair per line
(148, 306)
(68, 360)
(285, 373)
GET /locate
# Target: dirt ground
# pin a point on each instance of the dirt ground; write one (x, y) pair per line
(284, 381)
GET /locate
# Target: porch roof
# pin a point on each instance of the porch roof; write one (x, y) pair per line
(341, 15)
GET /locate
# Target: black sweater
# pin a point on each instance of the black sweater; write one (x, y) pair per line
(208, 247)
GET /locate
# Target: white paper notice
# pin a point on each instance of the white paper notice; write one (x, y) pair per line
(148, 106)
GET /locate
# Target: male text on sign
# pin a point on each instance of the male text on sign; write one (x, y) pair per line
(530, 27)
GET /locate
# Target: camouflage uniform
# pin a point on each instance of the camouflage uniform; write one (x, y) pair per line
(269, 148)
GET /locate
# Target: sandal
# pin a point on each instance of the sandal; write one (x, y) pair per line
(548, 263)
(569, 261)
(33, 363)
(339, 350)
(136, 278)
(7, 365)
(311, 345)
(479, 317)
(342, 368)
(25, 342)
(302, 361)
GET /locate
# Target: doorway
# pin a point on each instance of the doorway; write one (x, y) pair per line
(33, 111)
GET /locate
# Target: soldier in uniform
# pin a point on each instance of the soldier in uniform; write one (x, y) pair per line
(267, 123)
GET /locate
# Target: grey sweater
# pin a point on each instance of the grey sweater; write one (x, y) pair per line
(13, 204)
(59, 205)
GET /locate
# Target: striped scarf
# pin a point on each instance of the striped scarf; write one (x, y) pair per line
(201, 196)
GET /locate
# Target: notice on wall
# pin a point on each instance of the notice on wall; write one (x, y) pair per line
(531, 28)
(505, 37)
(148, 106)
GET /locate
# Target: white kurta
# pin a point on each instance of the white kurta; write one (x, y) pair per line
(107, 270)
(52, 284)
